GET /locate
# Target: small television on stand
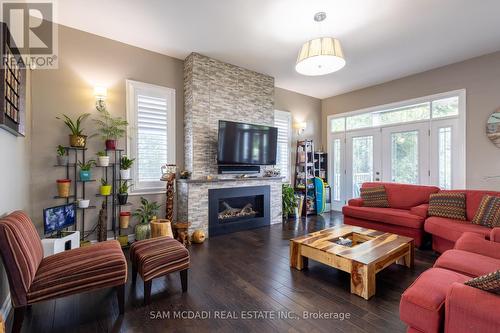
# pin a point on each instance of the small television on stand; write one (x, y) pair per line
(57, 218)
(243, 148)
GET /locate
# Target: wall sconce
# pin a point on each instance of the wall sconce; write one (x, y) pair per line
(100, 93)
(300, 127)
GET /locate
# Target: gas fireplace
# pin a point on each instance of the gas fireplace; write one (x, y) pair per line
(238, 208)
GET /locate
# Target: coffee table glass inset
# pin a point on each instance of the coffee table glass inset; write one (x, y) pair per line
(364, 253)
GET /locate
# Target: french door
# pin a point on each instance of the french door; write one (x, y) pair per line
(400, 154)
(405, 154)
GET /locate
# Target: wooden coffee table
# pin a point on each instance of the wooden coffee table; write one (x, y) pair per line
(371, 251)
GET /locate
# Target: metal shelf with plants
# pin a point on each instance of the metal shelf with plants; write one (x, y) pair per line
(114, 182)
(75, 183)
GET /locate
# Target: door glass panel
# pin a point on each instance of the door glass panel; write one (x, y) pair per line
(362, 162)
(403, 115)
(337, 125)
(404, 157)
(445, 107)
(444, 142)
(336, 170)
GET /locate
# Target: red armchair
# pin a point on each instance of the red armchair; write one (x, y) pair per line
(33, 279)
(438, 300)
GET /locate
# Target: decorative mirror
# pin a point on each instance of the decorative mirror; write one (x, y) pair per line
(493, 128)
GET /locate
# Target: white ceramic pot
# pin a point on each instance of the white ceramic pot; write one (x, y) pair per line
(125, 174)
(103, 161)
(83, 203)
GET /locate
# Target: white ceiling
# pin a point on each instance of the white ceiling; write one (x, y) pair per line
(382, 40)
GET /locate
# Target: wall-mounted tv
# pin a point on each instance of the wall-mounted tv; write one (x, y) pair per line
(58, 218)
(246, 144)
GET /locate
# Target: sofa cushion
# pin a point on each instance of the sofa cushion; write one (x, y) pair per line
(422, 304)
(476, 243)
(488, 282)
(401, 217)
(448, 204)
(488, 213)
(452, 229)
(467, 263)
(473, 200)
(405, 196)
(374, 197)
(87, 268)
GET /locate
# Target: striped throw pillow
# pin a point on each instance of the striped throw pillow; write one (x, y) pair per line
(488, 213)
(374, 197)
(489, 282)
(448, 204)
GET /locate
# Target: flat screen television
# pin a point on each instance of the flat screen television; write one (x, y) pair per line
(246, 144)
(58, 218)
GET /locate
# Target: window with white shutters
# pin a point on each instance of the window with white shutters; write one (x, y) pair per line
(283, 121)
(151, 117)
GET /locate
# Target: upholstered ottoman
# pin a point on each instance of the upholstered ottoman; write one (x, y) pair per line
(422, 304)
(156, 257)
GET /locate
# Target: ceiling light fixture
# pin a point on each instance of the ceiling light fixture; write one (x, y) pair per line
(320, 56)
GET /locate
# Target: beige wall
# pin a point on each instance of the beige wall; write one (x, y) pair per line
(481, 79)
(86, 60)
(15, 176)
(302, 108)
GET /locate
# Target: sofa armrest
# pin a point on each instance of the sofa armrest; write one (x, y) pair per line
(468, 309)
(358, 202)
(495, 235)
(420, 210)
(476, 243)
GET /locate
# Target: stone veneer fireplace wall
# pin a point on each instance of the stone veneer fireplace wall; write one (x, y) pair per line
(213, 91)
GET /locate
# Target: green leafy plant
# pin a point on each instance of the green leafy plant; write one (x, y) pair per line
(288, 199)
(86, 166)
(126, 163)
(61, 151)
(101, 153)
(104, 182)
(147, 211)
(124, 187)
(74, 126)
(110, 128)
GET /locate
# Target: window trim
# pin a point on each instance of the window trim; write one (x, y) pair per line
(288, 114)
(461, 93)
(131, 110)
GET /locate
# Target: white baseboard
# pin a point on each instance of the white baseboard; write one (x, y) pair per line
(6, 307)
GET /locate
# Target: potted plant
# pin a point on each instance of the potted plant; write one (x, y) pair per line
(110, 128)
(125, 165)
(124, 220)
(63, 187)
(123, 192)
(145, 213)
(76, 138)
(288, 199)
(105, 188)
(83, 203)
(85, 173)
(62, 157)
(102, 159)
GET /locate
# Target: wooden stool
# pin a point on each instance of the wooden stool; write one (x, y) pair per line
(156, 257)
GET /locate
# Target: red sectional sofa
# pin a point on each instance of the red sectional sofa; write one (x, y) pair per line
(408, 215)
(439, 301)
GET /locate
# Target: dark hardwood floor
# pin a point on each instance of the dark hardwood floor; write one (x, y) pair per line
(244, 271)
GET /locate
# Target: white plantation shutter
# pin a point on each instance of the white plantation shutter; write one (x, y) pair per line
(283, 121)
(151, 117)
